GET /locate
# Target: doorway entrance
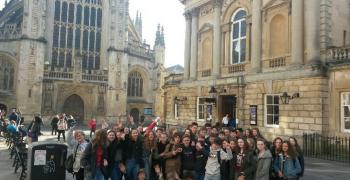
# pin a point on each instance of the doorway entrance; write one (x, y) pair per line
(135, 113)
(74, 106)
(228, 106)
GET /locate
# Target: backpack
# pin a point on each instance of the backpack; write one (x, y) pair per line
(70, 161)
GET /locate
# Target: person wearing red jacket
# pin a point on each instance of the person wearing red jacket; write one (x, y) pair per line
(92, 126)
(152, 125)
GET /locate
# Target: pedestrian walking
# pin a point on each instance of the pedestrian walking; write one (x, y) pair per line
(62, 127)
(54, 127)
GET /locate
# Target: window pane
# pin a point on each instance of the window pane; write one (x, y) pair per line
(92, 41)
(269, 109)
(64, 12)
(243, 47)
(61, 59)
(57, 10)
(91, 62)
(86, 16)
(276, 110)
(55, 36)
(276, 99)
(99, 17)
(346, 111)
(276, 120)
(71, 13)
(243, 28)
(240, 15)
(84, 63)
(85, 39)
(54, 58)
(269, 99)
(69, 60)
(346, 123)
(97, 62)
(98, 41)
(235, 31)
(70, 39)
(79, 11)
(269, 119)
(235, 52)
(93, 17)
(63, 38)
(77, 38)
(346, 99)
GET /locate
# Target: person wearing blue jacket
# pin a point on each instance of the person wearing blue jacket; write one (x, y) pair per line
(287, 165)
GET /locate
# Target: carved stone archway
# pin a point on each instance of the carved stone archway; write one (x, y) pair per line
(74, 105)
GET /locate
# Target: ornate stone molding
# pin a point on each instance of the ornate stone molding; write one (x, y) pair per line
(195, 12)
(205, 10)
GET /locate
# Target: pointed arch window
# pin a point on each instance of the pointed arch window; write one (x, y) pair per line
(238, 36)
(135, 84)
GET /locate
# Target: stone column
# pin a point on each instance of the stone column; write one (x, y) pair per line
(217, 38)
(312, 32)
(194, 43)
(297, 32)
(256, 37)
(187, 51)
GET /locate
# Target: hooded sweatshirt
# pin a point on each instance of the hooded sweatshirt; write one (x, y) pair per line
(213, 165)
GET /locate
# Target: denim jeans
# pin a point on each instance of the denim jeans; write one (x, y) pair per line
(147, 167)
(132, 169)
(212, 177)
(116, 174)
(199, 176)
(98, 175)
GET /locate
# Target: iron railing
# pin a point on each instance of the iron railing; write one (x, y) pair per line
(327, 147)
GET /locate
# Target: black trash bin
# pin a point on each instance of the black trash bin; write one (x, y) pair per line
(46, 161)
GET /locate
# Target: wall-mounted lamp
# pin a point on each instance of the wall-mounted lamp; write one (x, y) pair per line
(180, 98)
(285, 97)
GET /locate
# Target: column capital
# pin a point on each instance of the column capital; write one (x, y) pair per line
(217, 3)
(195, 12)
(188, 15)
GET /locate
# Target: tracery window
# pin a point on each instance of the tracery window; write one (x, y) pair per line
(77, 28)
(7, 73)
(238, 36)
(135, 84)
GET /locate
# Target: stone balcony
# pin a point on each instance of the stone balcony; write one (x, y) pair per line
(140, 51)
(338, 53)
(205, 73)
(68, 73)
(276, 63)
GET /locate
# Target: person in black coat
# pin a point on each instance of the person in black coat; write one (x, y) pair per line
(187, 158)
(201, 157)
(95, 157)
(54, 122)
(115, 147)
(133, 154)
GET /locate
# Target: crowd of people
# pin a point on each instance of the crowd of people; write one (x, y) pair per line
(131, 152)
(206, 153)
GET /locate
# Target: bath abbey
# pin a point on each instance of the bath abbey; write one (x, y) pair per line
(86, 58)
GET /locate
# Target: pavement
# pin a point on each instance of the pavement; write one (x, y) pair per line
(315, 169)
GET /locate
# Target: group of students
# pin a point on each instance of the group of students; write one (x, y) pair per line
(208, 153)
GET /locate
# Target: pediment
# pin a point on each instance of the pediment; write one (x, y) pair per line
(273, 3)
(205, 27)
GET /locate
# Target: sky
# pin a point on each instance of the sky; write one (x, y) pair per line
(167, 13)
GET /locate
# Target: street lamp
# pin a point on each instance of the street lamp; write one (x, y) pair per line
(285, 97)
(213, 92)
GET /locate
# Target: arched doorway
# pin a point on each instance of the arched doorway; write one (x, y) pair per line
(135, 113)
(74, 106)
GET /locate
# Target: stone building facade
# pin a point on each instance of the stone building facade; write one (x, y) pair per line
(256, 53)
(82, 57)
